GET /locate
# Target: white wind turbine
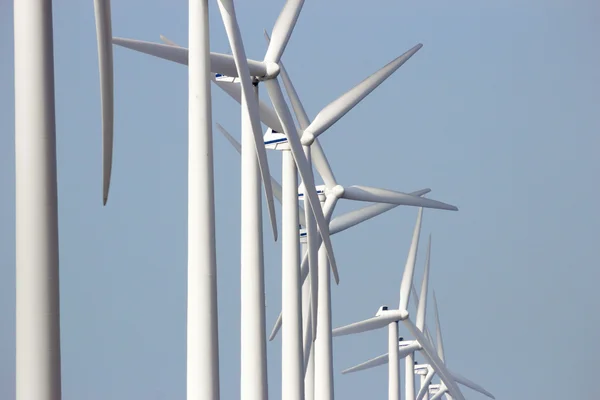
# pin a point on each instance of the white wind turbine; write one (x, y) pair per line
(406, 348)
(391, 317)
(426, 371)
(269, 117)
(341, 105)
(38, 371)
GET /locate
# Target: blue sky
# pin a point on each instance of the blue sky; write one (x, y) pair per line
(498, 114)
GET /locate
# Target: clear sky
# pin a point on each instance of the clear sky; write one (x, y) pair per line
(498, 114)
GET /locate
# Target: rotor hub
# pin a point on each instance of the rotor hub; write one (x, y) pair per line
(272, 71)
(307, 138)
(337, 191)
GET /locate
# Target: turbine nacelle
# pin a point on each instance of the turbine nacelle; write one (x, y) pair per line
(434, 388)
(320, 192)
(422, 369)
(303, 235)
(404, 343)
(383, 310)
(226, 78)
(275, 140)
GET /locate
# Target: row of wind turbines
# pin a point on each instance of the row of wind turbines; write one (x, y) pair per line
(308, 259)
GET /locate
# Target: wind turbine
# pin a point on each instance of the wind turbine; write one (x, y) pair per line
(391, 317)
(426, 371)
(406, 348)
(38, 365)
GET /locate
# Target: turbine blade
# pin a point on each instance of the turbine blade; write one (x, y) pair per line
(167, 41)
(267, 114)
(322, 165)
(308, 336)
(304, 268)
(220, 63)
(434, 360)
(313, 244)
(377, 195)
(352, 218)
(227, 10)
(413, 293)
(283, 30)
(470, 384)
(425, 385)
(276, 328)
(409, 268)
(236, 145)
(374, 362)
(304, 169)
(420, 322)
(369, 324)
(428, 336)
(338, 108)
(105, 64)
(438, 329)
(384, 358)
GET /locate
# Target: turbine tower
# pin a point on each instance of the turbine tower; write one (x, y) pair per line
(202, 321)
(37, 275)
